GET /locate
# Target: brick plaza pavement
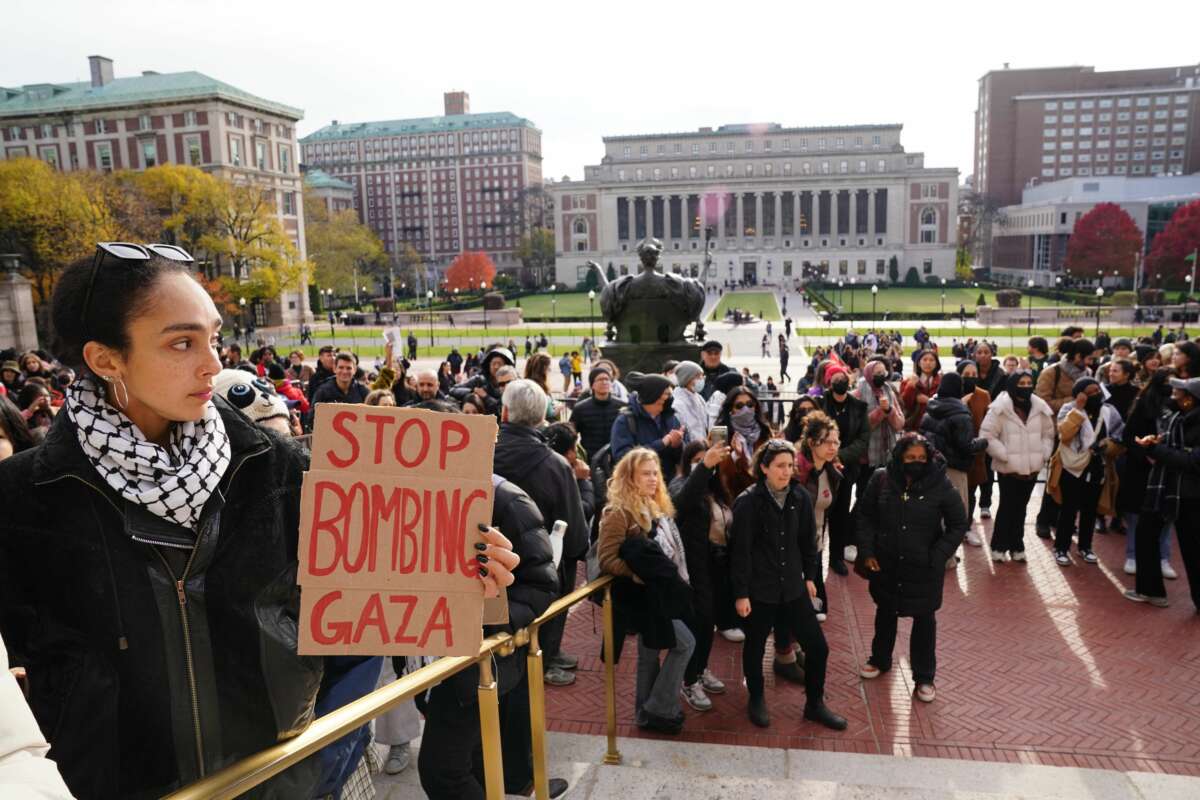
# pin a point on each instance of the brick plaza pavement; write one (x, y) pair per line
(1036, 664)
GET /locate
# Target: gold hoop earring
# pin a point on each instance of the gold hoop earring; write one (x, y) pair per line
(117, 385)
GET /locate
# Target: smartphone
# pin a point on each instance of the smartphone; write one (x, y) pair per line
(718, 435)
(557, 533)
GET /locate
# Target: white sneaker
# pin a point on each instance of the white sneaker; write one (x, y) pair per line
(1017, 555)
(998, 555)
(1168, 571)
(1130, 566)
(850, 553)
(399, 757)
(973, 539)
(711, 683)
(822, 616)
(696, 698)
(734, 635)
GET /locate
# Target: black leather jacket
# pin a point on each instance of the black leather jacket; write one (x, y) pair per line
(152, 661)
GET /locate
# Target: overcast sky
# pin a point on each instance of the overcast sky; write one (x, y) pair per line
(583, 70)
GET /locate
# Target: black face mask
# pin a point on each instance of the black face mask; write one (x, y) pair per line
(670, 402)
(841, 387)
(1022, 395)
(1094, 402)
(879, 380)
(914, 469)
(969, 385)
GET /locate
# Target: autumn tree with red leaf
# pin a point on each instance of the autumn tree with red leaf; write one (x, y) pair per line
(1177, 241)
(468, 270)
(1105, 239)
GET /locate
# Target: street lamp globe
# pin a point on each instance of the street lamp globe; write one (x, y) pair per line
(592, 295)
(874, 289)
(1030, 284)
(429, 294)
(242, 302)
(1099, 291)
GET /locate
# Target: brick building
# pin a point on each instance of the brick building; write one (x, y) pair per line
(337, 195)
(444, 184)
(780, 203)
(111, 123)
(1044, 124)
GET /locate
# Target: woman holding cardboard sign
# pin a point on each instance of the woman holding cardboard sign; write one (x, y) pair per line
(148, 562)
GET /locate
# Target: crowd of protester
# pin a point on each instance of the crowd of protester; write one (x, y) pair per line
(714, 515)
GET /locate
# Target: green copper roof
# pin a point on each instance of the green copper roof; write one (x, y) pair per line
(400, 127)
(67, 98)
(318, 179)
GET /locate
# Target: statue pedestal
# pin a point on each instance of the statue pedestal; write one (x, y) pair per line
(18, 325)
(648, 357)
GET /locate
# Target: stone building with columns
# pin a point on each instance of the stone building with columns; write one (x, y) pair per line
(772, 205)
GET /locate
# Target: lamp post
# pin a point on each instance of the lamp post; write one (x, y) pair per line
(874, 294)
(841, 293)
(1099, 297)
(553, 302)
(853, 281)
(245, 333)
(1057, 294)
(592, 313)
(1029, 322)
(943, 298)
(483, 298)
(429, 309)
(329, 308)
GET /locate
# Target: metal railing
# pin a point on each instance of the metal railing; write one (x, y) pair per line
(253, 770)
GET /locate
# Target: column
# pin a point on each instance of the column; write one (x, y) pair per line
(833, 216)
(871, 217)
(758, 216)
(797, 196)
(854, 217)
(814, 224)
(778, 218)
(720, 225)
(740, 200)
(631, 218)
(667, 218)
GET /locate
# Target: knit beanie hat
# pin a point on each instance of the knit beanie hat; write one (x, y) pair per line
(686, 372)
(249, 394)
(729, 381)
(951, 385)
(834, 370)
(596, 372)
(652, 388)
(1082, 384)
(964, 363)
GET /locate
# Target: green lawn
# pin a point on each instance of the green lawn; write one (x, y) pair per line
(565, 304)
(923, 300)
(760, 304)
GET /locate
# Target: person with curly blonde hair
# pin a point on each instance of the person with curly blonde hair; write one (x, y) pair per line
(652, 598)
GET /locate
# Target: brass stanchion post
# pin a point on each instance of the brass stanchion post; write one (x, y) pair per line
(489, 723)
(537, 716)
(613, 755)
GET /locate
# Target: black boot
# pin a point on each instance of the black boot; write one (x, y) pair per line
(821, 713)
(839, 567)
(789, 672)
(758, 711)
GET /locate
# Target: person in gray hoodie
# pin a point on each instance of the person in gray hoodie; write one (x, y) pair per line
(688, 403)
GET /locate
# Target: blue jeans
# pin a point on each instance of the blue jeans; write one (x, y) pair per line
(658, 684)
(1164, 539)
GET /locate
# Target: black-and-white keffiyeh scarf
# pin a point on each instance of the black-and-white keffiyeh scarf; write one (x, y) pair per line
(172, 482)
(1164, 487)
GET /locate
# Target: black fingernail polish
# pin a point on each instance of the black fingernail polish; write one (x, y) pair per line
(483, 527)
(483, 571)
(481, 545)
(481, 559)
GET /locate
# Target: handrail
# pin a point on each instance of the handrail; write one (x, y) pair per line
(254, 769)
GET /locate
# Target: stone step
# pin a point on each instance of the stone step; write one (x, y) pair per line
(664, 769)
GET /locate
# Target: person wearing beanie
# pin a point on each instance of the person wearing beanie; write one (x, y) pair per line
(284, 387)
(1083, 476)
(689, 405)
(593, 416)
(1054, 385)
(723, 385)
(654, 424)
(854, 432)
(947, 424)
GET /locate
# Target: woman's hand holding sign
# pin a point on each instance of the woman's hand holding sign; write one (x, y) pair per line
(496, 560)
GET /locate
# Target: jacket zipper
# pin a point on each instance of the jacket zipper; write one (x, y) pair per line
(181, 596)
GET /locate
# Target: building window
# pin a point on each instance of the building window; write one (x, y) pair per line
(657, 174)
(260, 155)
(189, 119)
(47, 131)
(235, 150)
(928, 226)
(149, 153)
(625, 151)
(643, 151)
(639, 174)
(104, 156)
(101, 127)
(806, 168)
(927, 266)
(285, 158)
(881, 166)
(695, 149)
(194, 154)
(289, 203)
(50, 156)
(862, 166)
(879, 266)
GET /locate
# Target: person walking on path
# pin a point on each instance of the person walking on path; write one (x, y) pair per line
(1019, 429)
(774, 563)
(784, 356)
(1172, 494)
(911, 521)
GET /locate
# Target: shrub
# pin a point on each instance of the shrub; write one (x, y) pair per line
(912, 277)
(493, 301)
(981, 301)
(894, 269)
(1008, 298)
(1123, 299)
(1153, 297)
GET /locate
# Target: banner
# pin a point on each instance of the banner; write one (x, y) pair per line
(390, 515)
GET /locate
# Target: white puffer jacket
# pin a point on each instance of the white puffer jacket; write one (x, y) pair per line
(25, 772)
(1016, 447)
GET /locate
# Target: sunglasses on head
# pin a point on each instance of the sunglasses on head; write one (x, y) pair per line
(128, 251)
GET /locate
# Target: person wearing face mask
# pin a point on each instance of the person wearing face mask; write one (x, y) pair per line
(919, 388)
(911, 520)
(1082, 476)
(742, 415)
(978, 401)
(850, 414)
(885, 419)
(1019, 430)
(688, 404)
(654, 424)
(1172, 494)
(1143, 419)
(1054, 386)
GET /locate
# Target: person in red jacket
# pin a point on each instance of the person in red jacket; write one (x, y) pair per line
(288, 390)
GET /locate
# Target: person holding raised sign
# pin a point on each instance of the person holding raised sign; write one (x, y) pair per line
(168, 525)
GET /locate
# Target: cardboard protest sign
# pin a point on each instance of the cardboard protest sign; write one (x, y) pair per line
(390, 515)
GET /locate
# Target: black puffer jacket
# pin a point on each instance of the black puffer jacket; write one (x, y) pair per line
(535, 587)
(693, 515)
(912, 532)
(773, 549)
(594, 420)
(491, 400)
(853, 429)
(523, 457)
(947, 424)
(95, 616)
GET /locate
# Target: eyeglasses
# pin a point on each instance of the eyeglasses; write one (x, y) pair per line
(128, 251)
(740, 406)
